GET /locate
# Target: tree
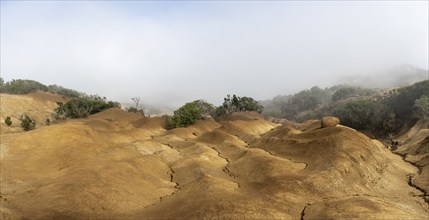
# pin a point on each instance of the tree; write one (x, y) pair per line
(237, 104)
(84, 106)
(206, 109)
(22, 86)
(64, 91)
(367, 115)
(421, 108)
(27, 123)
(343, 93)
(136, 101)
(189, 113)
(402, 100)
(300, 102)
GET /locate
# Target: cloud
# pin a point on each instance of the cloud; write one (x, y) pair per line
(170, 53)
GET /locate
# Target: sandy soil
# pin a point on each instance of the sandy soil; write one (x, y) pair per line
(119, 165)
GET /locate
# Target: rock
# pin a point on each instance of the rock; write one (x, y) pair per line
(329, 121)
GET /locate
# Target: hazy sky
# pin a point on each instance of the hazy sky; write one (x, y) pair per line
(173, 52)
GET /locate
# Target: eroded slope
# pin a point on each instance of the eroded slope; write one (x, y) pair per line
(121, 165)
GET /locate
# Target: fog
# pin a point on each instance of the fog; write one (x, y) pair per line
(169, 53)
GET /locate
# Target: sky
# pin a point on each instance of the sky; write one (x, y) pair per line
(172, 52)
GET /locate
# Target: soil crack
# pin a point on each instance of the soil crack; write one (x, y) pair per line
(303, 211)
(424, 194)
(226, 169)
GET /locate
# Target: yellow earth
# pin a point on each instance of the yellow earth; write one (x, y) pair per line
(120, 165)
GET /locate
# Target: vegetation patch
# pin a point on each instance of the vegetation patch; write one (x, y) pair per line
(237, 104)
(83, 107)
(189, 113)
(25, 86)
(8, 121)
(27, 123)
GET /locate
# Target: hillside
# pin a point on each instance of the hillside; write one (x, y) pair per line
(38, 105)
(380, 113)
(116, 164)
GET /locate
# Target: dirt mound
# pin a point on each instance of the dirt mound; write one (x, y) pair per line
(120, 165)
(39, 106)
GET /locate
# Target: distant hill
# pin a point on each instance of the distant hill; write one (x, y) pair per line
(376, 111)
(404, 75)
(25, 86)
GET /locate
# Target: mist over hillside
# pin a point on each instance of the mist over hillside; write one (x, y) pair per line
(404, 75)
(170, 53)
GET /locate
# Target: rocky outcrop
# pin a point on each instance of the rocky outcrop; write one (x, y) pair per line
(329, 122)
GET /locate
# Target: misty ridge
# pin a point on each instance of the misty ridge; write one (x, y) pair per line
(383, 112)
(395, 77)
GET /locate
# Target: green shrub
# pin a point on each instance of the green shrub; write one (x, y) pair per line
(22, 86)
(421, 108)
(83, 107)
(366, 115)
(132, 109)
(237, 104)
(347, 92)
(8, 121)
(59, 90)
(27, 123)
(189, 113)
(402, 100)
(343, 93)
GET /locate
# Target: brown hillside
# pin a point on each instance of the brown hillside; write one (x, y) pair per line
(116, 165)
(38, 105)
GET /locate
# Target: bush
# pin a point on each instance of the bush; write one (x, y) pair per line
(64, 91)
(402, 100)
(27, 123)
(22, 86)
(132, 109)
(83, 107)
(347, 92)
(238, 104)
(366, 115)
(343, 93)
(48, 121)
(189, 113)
(8, 121)
(421, 108)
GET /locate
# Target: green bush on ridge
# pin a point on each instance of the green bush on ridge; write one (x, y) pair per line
(189, 113)
(22, 86)
(83, 107)
(237, 104)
